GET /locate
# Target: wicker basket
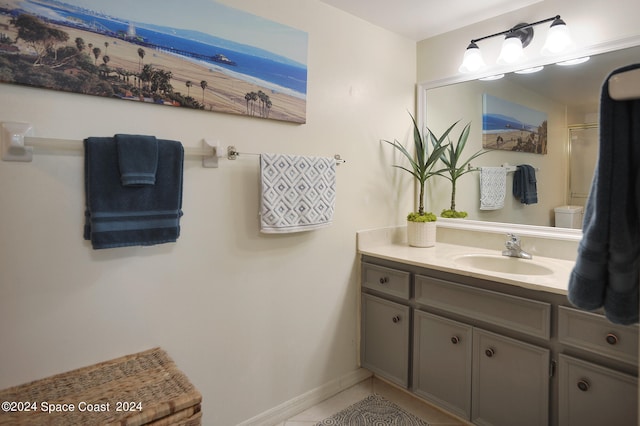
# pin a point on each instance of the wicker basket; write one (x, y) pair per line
(139, 389)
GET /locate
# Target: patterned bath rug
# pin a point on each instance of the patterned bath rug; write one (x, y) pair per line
(374, 410)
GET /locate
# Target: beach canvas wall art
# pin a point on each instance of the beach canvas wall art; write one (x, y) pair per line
(197, 54)
(512, 127)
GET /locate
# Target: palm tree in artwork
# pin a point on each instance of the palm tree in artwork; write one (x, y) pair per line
(263, 97)
(105, 65)
(204, 85)
(247, 98)
(80, 44)
(268, 105)
(141, 54)
(254, 98)
(189, 83)
(146, 75)
(106, 46)
(96, 53)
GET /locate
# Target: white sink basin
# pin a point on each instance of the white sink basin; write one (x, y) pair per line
(502, 264)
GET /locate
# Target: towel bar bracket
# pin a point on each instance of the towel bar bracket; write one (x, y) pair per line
(13, 146)
(232, 153)
(211, 161)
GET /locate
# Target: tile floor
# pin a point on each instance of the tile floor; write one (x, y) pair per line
(408, 402)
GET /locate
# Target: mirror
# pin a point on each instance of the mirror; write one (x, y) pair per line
(568, 95)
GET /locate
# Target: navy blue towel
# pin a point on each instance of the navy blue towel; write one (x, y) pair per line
(607, 268)
(137, 159)
(525, 186)
(117, 215)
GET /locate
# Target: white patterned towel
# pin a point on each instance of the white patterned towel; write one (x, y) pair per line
(493, 187)
(298, 193)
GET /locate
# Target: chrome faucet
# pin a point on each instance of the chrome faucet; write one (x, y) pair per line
(514, 249)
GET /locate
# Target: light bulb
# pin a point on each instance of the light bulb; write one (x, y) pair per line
(511, 51)
(558, 39)
(472, 60)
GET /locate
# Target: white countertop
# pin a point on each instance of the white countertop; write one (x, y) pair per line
(443, 257)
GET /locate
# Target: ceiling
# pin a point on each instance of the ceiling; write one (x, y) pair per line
(421, 19)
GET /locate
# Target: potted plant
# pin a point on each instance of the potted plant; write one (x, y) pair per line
(421, 226)
(455, 168)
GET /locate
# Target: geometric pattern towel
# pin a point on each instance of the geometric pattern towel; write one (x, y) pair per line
(373, 411)
(493, 187)
(298, 192)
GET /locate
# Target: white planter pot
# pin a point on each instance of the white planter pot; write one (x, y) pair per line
(421, 234)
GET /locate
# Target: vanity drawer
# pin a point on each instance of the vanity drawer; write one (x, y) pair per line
(386, 280)
(593, 332)
(523, 315)
(592, 395)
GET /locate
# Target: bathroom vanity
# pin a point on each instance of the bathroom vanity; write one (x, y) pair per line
(499, 346)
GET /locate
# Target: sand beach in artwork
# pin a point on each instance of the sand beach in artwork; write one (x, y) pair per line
(222, 92)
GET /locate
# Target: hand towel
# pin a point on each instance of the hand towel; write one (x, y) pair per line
(137, 159)
(298, 192)
(118, 216)
(607, 269)
(525, 186)
(493, 184)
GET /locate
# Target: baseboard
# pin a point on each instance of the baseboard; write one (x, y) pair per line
(300, 403)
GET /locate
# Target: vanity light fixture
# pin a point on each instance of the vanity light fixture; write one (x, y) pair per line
(516, 39)
(530, 70)
(492, 77)
(574, 61)
(558, 38)
(472, 60)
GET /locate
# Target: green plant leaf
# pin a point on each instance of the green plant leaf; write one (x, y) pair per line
(423, 161)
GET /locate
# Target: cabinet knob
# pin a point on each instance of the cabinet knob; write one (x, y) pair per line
(455, 340)
(384, 280)
(490, 352)
(396, 318)
(583, 385)
(612, 339)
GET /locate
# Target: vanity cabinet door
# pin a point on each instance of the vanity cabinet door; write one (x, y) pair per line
(385, 338)
(442, 362)
(591, 395)
(510, 381)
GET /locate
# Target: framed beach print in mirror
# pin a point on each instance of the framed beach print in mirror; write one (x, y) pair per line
(207, 56)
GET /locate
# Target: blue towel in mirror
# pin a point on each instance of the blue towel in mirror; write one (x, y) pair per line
(525, 186)
(119, 216)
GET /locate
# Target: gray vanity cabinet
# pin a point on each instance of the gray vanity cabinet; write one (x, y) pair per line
(592, 395)
(385, 338)
(495, 354)
(442, 354)
(510, 383)
(479, 375)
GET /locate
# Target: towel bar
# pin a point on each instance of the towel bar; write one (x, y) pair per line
(233, 153)
(17, 145)
(509, 167)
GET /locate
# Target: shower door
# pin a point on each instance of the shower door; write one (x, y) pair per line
(583, 152)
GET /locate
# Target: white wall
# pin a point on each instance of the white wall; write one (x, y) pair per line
(253, 320)
(591, 23)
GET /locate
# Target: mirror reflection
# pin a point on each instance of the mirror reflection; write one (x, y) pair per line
(569, 96)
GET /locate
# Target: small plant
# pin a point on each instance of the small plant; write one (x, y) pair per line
(421, 167)
(424, 217)
(451, 157)
(453, 214)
